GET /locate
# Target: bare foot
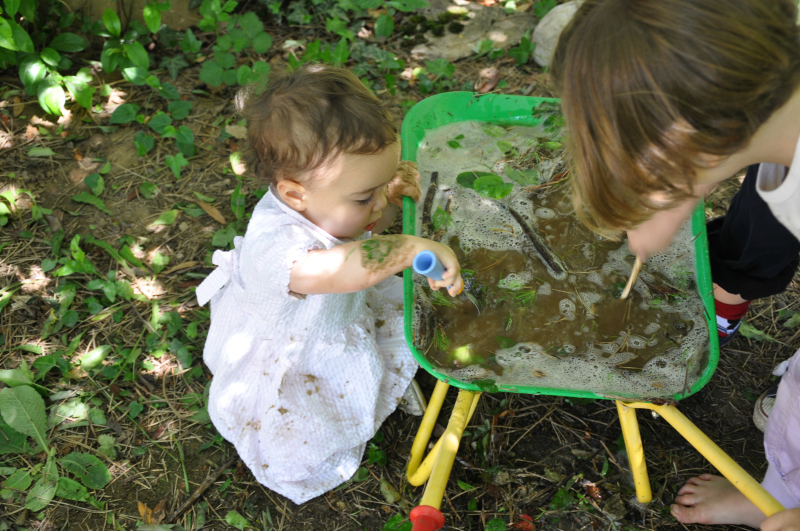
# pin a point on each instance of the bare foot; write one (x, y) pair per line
(709, 499)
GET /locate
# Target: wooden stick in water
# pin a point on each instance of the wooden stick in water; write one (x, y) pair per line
(637, 265)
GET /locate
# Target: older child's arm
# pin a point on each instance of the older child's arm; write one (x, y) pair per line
(656, 233)
(358, 265)
(788, 520)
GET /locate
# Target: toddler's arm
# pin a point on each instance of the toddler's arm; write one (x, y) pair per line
(358, 265)
(788, 520)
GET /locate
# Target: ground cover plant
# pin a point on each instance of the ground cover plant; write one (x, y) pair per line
(122, 171)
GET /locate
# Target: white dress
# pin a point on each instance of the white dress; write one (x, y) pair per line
(301, 383)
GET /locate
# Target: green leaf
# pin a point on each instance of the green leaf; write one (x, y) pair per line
(17, 377)
(384, 26)
(184, 141)
(50, 56)
(751, 332)
(7, 36)
(11, 7)
(137, 54)
(86, 197)
(261, 42)
(237, 202)
(223, 237)
(493, 130)
(522, 53)
(32, 70)
(441, 219)
(251, 24)
(18, 481)
(95, 183)
(41, 152)
(111, 22)
(159, 262)
(92, 472)
(69, 489)
(492, 186)
(543, 7)
(175, 163)
(190, 43)
(453, 144)
(465, 486)
(124, 114)
(78, 85)
(23, 409)
(44, 489)
(467, 179)
(158, 122)
(144, 143)
(173, 65)
(134, 409)
(408, 5)
(68, 42)
(148, 190)
(440, 67)
(152, 17)
(339, 27)
(20, 40)
(496, 524)
(166, 218)
(236, 520)
(14, 442)
(793, 321)
(51, 96)
(169, 91)
(524, 177)
(94, 357)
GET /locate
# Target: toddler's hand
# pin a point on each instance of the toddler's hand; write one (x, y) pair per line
(404, 183)
(788, 520)
(452, 275)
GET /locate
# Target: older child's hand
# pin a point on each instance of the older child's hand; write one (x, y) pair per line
(451, 278)
(788, 520)
(404, 183)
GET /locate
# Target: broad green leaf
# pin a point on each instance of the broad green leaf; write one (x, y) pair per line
(159, 262)
(190, 43)
(79, 86)
(17, 377)
(94, 357)
(453, 144)
(384, 26)
(339, 27)
(441, 219)
(50, 56)
(14, 442)
(793, 321)
(166, 218)
(41, 152)
(237, 202)
(6, 36)
(751, 332)
(464, 486)
(492, 186)
(496, 524)
(493, 130)
(137, 54)
(36, 349)
(68, 42)
(440, 67)
(236, 520)
(159, 121)
(69, 489)
(95, 183)
(467, 179)
(111, 22)
(18, 481)
(175, 163)
(32, 70)
(152, 17)
(261, 42)
(144, 143)
(23, 409)
(92, 472)
(522, 177)
(134, 409)
(408, 5)
(148, 190)
(223, 237)
(89, 198)
(11, 7)
(173, 65)
(251, 24)
(124, 114)
(44, 489)
(397, 523)
(184, 141)
(22, 41)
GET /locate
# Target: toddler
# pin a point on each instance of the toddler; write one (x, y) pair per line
(306, 341)
(663, 99)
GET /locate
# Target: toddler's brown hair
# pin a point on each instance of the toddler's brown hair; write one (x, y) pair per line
(306, 116)
(651, 88)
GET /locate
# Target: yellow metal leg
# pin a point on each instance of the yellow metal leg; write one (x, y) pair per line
(437, 465)
(633, 445)
(743, 481)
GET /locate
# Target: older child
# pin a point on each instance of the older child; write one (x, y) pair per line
(306, 341)
(664, 99)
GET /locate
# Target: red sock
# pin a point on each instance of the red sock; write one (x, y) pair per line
(729, 317)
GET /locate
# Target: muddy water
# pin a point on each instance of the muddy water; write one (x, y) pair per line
(548, 321)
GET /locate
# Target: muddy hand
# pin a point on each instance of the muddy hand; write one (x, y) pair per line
(404, 183)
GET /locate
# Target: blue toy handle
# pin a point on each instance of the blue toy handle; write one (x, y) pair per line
(426, 263)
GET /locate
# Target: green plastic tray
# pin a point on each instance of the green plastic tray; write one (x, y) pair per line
(450, 107)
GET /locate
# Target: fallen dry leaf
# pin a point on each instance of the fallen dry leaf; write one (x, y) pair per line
(145, 512)
(236, 131)
(76, 154)
(31, 132)
(160, 512)
(182, 265)
(18, 106)
(211, 211)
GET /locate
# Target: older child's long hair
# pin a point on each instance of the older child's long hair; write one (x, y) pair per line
(649, 87)
(308, 115)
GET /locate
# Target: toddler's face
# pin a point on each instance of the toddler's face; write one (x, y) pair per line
(351, 192)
